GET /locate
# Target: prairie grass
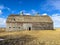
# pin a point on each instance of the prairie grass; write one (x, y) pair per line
(33, 37)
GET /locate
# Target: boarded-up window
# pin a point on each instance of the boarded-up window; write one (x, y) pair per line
(19, 27)
(9, 27)
(14, 19)
(13, 27)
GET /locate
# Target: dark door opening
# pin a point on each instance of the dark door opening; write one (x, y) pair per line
(29, 28)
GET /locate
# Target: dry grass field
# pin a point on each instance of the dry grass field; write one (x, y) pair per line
(35, 37)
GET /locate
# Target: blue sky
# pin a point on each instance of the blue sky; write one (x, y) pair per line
(49, 7)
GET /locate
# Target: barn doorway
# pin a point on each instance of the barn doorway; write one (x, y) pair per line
(29, 28)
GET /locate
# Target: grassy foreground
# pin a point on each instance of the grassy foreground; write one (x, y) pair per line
(35, 37)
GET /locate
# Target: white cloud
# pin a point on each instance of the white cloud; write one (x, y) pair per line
(8, 9)
(4, 7)
(45, 14)
(55, 4)
(27, 13)
(51, 5)
(24, 12)
(2, 22)
(1, 7)
(0, 12)
(33, 11)
(56, 20)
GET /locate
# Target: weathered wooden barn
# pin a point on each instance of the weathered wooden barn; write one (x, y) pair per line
(27, 22)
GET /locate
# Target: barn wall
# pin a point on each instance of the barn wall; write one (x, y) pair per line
(25, 26)
(42, 26)
(14, 26)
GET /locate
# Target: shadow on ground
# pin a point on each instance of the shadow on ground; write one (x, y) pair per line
(23, 40)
